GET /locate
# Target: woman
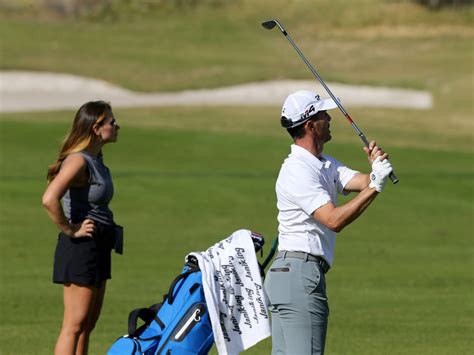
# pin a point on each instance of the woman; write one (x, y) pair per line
(87, 229)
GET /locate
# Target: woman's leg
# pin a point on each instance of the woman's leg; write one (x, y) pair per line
(78, 301)
(83, 341)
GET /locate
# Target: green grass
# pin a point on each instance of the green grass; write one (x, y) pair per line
(188, 177)
(401, 284)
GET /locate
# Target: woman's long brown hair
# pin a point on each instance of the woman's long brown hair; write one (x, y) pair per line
(82, 134)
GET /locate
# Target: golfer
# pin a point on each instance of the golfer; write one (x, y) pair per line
(309, 218)
(87, 229)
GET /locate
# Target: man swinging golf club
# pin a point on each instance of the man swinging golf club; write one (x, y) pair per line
(309, 218)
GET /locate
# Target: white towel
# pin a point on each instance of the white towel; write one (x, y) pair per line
(234, 293)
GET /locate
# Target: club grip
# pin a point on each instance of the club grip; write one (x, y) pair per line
(393, 177)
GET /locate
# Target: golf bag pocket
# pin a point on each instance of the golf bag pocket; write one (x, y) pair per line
(191, 334)
(178, 325)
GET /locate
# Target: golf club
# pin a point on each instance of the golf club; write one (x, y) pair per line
(270, 24)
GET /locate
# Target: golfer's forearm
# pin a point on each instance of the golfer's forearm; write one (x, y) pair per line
(348, 212)
(358, 183)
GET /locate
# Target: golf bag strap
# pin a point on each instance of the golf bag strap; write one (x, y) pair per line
(148, 315)
(193, 268)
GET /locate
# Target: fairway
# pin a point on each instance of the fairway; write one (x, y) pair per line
(187, 177)
(401, 271)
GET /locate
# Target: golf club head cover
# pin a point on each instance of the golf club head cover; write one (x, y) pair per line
(258, 241)
(380, 172)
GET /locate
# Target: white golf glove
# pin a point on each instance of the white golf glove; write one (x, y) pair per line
(380, 171)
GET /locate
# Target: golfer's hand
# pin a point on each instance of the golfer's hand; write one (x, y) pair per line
(373, 151)
(381, 169)
(84, 229)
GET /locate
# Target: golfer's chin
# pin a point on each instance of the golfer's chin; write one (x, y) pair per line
(328, 138)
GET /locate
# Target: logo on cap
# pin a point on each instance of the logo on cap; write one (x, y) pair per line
(307, 113)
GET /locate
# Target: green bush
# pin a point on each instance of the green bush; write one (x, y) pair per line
(102, 8)
(438, 4)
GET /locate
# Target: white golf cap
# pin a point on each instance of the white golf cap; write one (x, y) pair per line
(301, 105)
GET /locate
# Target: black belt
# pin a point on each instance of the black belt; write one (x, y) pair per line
(104, 229)
(305, 256)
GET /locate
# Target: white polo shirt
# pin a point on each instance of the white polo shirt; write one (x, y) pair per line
(304, 184)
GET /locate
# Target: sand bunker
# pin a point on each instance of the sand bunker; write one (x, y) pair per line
(22, 91)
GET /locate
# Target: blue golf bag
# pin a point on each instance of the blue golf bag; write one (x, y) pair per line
(178, 325)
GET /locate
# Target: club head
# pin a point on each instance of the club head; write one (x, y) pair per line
(269, 24)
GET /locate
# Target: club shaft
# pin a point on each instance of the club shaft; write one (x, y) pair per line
(339, 105)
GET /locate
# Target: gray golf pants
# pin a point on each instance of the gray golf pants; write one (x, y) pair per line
(296, 290)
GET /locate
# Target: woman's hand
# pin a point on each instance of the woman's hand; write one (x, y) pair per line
(84, 229)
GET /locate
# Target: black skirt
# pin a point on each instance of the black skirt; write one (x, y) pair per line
(85, 260)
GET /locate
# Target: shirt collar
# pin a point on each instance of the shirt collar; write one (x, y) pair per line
(298, 151)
